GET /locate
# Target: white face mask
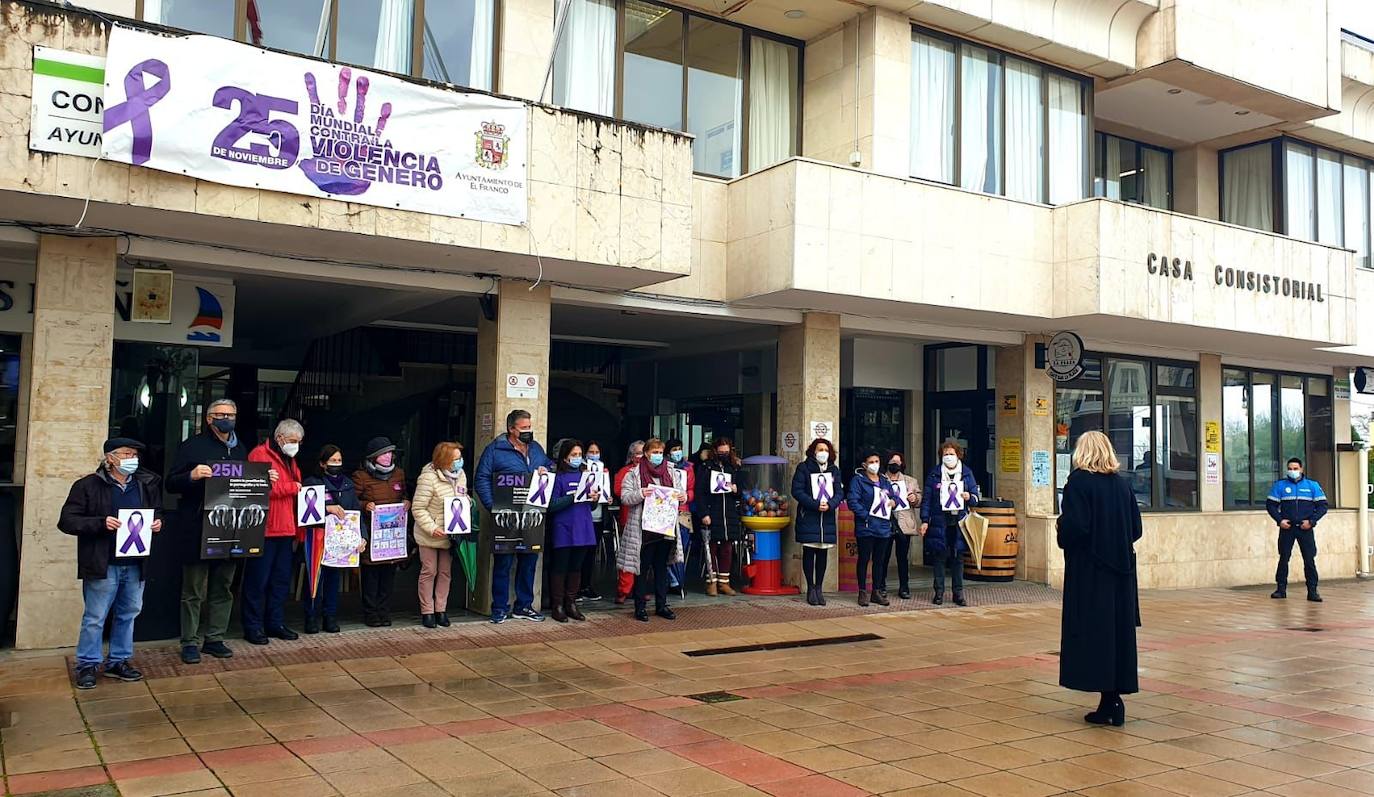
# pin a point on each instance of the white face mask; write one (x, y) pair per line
(872, 468)
(290, 449)
(950, 460)
(822, 456)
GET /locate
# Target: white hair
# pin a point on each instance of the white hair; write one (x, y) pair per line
(290, 428)
(222, 402)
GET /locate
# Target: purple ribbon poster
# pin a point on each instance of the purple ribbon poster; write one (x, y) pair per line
(541, 490)
(310, 506)
(720, 482)
(899, 497)
(882, 503)
(458, 515)
(588, 488)
(134, 537)
(952, 496)
(823, 488)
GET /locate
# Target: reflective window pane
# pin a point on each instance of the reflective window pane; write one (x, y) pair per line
(932, 108)
(1330, 215)
(1247, 189)
(652, 93)
(1293, 439)
(376, 34)
(1300, 204)
(715, 94)
(980, 133)
(1235, 436)
(1075, 412)
(1321, 441)
(1177, 450)
(956, 368)
(1267, 466)
(457, 42)
(1180, 376)
(584, 66)
(1153, 179)
(1356, 178)
(1129, 423)
(1025, 131)
(1068, 147)
(294, 25)
(213, 17)
(774, 73)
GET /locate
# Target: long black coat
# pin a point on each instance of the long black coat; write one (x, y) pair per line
(185, 524)
(1098, 526)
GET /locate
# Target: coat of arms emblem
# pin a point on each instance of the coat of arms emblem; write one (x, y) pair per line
(491, 145)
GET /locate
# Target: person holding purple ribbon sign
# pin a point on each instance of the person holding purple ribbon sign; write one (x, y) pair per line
(572, 532)
(441, 480)
(944, 544)
(337, 498)
(817, 488)
(110, 583)
(515, 452)
(868, 491)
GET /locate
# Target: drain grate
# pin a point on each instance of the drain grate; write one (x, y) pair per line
(716, 697)
(799, 643)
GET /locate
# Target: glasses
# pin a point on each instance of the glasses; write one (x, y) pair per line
(223, 416)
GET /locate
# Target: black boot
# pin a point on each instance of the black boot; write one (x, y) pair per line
(1111, 710)
(442, 619)
(557, 584)
(1279, 594)
(427, 620)
(1314, 596)
(569, 596)
(312, 625)
(642, 611)
(880, 598)
(959, 599)
(331, 624)
(939, 597)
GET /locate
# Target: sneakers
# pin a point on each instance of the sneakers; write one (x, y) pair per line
(528, 613)
(85, 677)
(217, 649)
(589, 594)
(190, 654)
(497, 617)
(123, 671)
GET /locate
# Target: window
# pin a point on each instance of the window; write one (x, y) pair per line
(1319, 195)
(443, 40)
(1132, 171)
(736, 90)
(992, 122)
(1267, 418)
(1148, 409)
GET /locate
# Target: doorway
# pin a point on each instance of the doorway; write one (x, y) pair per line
(959, 406)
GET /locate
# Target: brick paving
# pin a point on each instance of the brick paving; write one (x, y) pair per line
(1243, 696)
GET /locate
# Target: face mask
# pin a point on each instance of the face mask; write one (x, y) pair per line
(723, 453)
(223, 425)
(822, 456)
(527, 437)
(594, 457)
(676, 456)
(457, 466)
(656, 459)
(128, 466)
(384, 460)
(1292, 474)
(575, 462)
(894, 467)
(872, 468)
(290, 449)
(950, 460)
(334, 470)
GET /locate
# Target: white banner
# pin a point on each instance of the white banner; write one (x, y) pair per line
(68, 102)
(234, 114)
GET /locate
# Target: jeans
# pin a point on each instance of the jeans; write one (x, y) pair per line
(903, 561)
(266, 580)
(1307, 545)
(207, 584)
(654, 555)
(122, 590)
(525, 565)
(436, 573)
(378, 581)
(326, 600)
(950, 560)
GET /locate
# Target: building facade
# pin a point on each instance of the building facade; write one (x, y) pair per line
(763, 221)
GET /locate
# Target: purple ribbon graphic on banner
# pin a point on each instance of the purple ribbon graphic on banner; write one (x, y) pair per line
(722, 483)
(541, 491)
(952, 497)
(140, 100)
(824, 487)
(584, 490)
(312, 512)
(135, 539)
(459, 523)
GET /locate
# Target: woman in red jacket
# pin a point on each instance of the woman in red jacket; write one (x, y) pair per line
(267, 578)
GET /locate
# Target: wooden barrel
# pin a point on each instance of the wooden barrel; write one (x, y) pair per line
(849, 550)
(1001, 545)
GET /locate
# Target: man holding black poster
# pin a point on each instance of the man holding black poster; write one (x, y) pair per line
(204, 583)
(503, 478)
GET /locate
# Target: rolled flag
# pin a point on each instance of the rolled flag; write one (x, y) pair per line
(314, 556)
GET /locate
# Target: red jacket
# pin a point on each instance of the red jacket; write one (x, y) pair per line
(281, 509)
(619, 480)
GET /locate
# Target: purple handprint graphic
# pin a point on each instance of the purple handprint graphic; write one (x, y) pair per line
(347, 153)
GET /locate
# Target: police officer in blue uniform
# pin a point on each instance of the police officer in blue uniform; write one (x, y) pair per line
(1297, 504)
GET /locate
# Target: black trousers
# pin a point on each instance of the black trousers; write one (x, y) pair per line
(903, 545)
(653, 564)
(870, 553)
(951, 561)
(568, 559)
(814, 561)
(378, 581)
(1307, 544)
(881, 562)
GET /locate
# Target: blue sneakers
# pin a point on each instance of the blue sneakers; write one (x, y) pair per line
(528, 613)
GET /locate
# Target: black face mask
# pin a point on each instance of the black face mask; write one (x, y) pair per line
(894, 467)
(526, 437)
(333, 470)
(723, 455)
(223, 425)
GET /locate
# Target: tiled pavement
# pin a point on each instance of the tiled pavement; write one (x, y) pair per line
(1243, 696)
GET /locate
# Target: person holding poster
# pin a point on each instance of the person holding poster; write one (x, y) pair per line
(378, 482)
(870, 499)
(514, 454)
(441, 480)
(907, 519)
(718, 512)
(950, 490)
(111, 576)
(625, 580)
(267, 578)
(599, 514)
(339, 498)
(677, 457)
(637, 554)
(572, 531)
(206, 584)
(817, 488)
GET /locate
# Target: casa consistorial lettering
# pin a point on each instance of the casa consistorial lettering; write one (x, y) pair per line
(1238, 278)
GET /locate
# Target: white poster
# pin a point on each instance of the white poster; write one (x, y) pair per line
(68, 102)
(721, 482)
(310, 501)
(588, 488)
(823, 488)
(660, 511)
(541, 490)
(134, 537)
(458, 515)
(820, 430)
(881, 507)
(522, 386)
(231, 113)
(1213, 467)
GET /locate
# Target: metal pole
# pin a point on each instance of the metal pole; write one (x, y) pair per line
(1362, 519)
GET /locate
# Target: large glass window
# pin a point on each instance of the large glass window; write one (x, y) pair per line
(1131, 171)
(1247, 186)
(449, 41)
(1021, 128)
(686, 72)
(1268, 418)
(1149, 411)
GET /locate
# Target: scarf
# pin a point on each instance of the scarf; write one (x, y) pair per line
(377, 471)
(648, 474)
(335, 483)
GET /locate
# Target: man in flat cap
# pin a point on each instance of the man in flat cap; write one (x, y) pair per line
(112, 580)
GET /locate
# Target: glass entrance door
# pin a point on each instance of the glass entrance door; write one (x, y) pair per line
(959, 407)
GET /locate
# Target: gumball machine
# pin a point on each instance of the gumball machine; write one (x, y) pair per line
(766, 510)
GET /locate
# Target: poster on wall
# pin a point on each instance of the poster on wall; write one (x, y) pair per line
(1040, 468)
(231, 113)
(235, 522)
(1010, 452)
(1213, 468)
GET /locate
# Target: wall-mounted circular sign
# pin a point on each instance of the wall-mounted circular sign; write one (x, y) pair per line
(1064, 360)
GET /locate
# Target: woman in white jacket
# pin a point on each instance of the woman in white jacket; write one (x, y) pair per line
(440, 481)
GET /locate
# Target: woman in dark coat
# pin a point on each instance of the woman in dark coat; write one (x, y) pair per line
(944, 544)
(869, 492)
(816, 527)
(717, 514)
(1099, 523)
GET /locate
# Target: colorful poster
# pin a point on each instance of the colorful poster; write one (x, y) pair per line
(1211, 436)
(540, 491)
(823, 488)
(389, 533)
(134, 537)
(152, 296)
(342, 538)
(1040, 469)
(234, 114)
(310, 505)
(236, 498)
(660, 511)
(458, 515)
(516, 526)
(720, 482)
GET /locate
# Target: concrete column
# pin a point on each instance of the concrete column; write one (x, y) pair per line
(808, 391)
(68, 418)
(1029, 427)
(516, 342)
(1210, 496)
